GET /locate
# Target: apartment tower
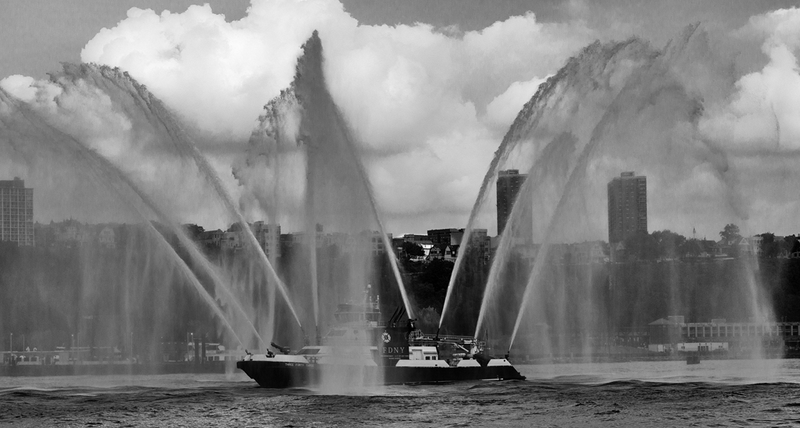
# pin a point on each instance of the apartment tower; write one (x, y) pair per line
(627, 206)
(16, 212)
(508, 184)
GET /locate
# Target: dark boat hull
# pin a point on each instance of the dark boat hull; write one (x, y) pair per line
(276, 374)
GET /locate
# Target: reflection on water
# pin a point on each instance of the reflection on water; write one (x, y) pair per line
(169, 381)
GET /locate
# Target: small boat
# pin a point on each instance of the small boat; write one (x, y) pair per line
(693, 359)
(360, 352)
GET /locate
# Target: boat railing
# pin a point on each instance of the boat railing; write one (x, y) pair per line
(418, 336)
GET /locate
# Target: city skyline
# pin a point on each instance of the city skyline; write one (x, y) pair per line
(626, 196)
(451, 235)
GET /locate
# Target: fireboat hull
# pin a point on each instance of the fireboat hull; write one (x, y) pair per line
(276, 374)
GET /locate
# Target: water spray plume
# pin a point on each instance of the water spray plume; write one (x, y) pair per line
(181, 141)
(526, 122)
(576, 176)
(120, 184)
(328, 138)
(614, 107)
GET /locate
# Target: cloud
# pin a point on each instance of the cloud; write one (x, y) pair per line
(418, 99)
(21, 87)
(211, 71)
(761, 114)
(427, 106)
(502, 110)
(104, 111)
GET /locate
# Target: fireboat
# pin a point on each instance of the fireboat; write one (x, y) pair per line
(359, 351)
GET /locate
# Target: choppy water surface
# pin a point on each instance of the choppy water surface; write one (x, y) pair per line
(714, 393)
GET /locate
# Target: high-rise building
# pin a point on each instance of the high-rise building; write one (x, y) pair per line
(269, 238)
(508, 184)
(16, 212)
(627, 206)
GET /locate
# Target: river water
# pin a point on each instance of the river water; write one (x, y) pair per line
(667, 393)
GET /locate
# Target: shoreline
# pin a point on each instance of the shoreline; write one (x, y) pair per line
(95, 369)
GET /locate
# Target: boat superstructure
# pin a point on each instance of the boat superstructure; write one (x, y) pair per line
(360, 351)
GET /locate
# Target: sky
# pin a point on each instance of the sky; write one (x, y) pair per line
(429, 87)
(36, 35)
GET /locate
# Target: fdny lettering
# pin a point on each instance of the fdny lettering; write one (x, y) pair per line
(394, 350)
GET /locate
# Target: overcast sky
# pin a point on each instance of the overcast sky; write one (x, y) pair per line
(430, 86)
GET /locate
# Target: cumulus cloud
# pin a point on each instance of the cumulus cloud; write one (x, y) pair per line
(502, 110)
(428, 106)
(762, 112)
(103, 110)
(22, 87)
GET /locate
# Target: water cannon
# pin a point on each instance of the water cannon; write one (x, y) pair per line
(467, 352)
(282, 349)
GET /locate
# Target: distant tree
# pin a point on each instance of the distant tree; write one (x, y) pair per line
(786, 245)
(438, 272)
(730, 234)
(769, 248)
(413, 250)
(668, 243)
(641, 246)
(792, 243)
(428, 319)
(429, 286)
(193, 230)
(691, 248)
